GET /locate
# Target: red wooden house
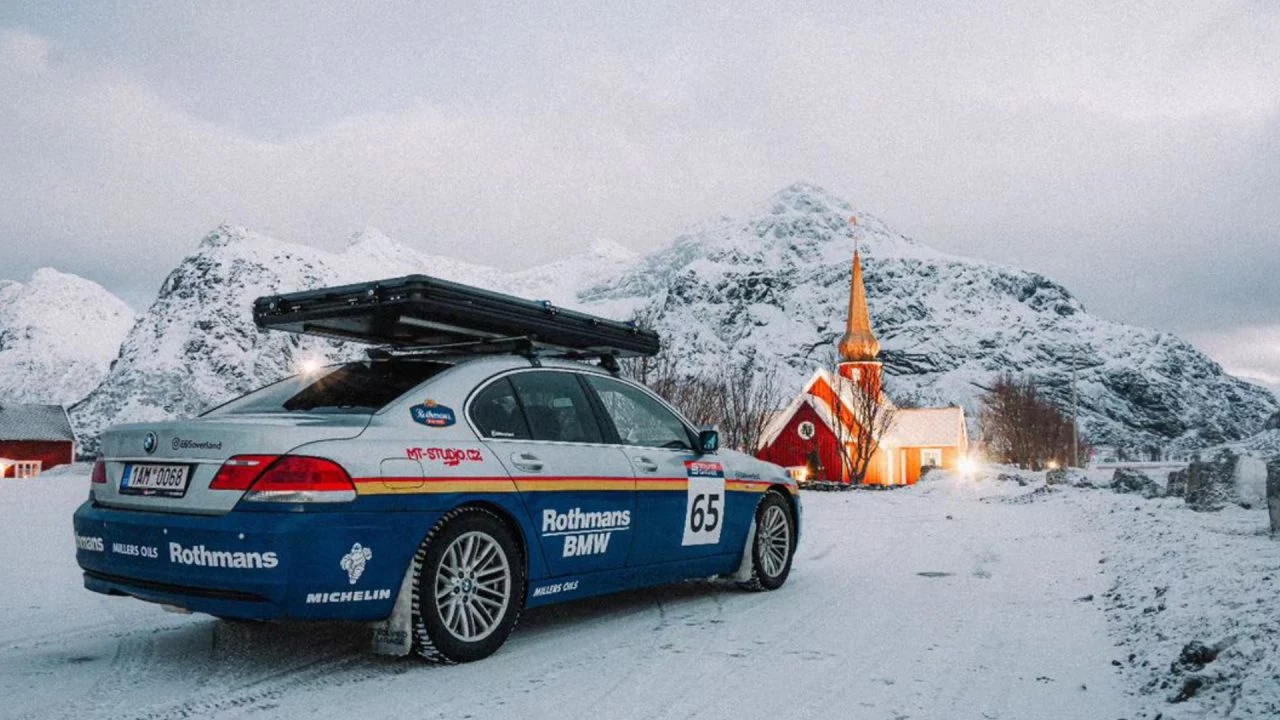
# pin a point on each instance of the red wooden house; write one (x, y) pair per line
(34, 438)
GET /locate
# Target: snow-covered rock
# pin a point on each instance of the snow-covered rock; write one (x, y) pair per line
(1211, 483)
(1251, 482)
(58, 336)
(1273, 495)
(777, 283)
(1132, 480)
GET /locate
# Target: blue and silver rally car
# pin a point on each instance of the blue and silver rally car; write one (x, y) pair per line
(477, 463)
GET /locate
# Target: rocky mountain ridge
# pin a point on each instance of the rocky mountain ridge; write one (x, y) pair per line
(774, 283)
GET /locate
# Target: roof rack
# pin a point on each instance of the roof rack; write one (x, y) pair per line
(419, 314)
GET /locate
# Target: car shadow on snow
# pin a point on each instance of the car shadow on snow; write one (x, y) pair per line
(250, 651)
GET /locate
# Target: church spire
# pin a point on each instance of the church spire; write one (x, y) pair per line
(858, 343)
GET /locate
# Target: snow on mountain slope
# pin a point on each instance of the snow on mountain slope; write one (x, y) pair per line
(58, 336)
(562, 280)
(197, 346)
(778, 282)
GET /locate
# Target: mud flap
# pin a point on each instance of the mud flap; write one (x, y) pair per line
(743, 573)
(394, 636)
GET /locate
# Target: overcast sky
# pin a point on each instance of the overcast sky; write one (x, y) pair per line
(1128, 150)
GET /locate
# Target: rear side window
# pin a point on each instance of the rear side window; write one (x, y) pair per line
(497, 414)
(556, 407)
(358, 387)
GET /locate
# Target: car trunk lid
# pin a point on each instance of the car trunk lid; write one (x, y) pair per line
(145, 462)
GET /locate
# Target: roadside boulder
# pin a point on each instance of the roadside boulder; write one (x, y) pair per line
(1251, 482)
(1012, 477)
(1177, 486)
(1211, 484)
(1273, 494)
(1129, 480)
(1066, 476)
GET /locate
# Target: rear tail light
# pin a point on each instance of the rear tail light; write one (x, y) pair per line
(299, 479)
(240, 471)
(99, 476)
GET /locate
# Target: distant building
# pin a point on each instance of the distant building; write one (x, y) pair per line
(807, 436)
(34, 438)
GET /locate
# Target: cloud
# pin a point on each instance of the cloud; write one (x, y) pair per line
(20, 50)
(1134, 161)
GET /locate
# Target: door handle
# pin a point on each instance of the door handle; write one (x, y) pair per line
(527, 462)
(644, 464)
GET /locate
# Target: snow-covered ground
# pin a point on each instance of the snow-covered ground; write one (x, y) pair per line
(955, 599)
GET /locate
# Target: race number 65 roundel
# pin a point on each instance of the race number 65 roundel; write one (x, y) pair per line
(704, 511)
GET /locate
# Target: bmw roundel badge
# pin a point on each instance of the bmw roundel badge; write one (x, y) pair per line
(149, 443)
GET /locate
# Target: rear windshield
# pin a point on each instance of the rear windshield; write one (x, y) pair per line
(358, 387)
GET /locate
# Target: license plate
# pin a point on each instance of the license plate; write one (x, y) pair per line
(158, 480)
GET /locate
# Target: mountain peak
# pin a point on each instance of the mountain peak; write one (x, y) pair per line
(806, 197)
(59, 333)
(224, 235)
(372, 237)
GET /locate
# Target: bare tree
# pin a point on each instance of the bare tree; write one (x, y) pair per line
(1023, 427)
(737, 400)
(748, 395)
(862, 425)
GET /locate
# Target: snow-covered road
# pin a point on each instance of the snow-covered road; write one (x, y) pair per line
(924, 603)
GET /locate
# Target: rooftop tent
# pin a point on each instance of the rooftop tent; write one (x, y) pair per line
(421, 312)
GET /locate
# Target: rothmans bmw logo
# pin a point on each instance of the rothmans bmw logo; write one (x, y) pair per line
(149, 443)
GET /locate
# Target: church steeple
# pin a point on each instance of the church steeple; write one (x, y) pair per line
(859, 344)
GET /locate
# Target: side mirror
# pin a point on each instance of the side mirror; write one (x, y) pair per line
(708, 441)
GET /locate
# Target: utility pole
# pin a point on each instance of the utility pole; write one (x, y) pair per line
(1075, 409)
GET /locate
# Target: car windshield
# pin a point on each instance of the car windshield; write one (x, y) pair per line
(356, 387)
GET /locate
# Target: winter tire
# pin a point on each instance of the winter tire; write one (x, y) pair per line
(468, 587)
(774, 544)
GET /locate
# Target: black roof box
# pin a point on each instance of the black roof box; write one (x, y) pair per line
(418, 312)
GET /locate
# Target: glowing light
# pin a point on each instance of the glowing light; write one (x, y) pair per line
(310, 366)
(968, 466)
(1052, 464)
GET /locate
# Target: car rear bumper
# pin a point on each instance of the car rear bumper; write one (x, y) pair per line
(251, 565)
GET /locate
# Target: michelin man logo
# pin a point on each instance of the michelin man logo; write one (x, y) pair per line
(354, 561)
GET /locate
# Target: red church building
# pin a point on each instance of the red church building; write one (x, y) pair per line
(815, 434)
(34, 438)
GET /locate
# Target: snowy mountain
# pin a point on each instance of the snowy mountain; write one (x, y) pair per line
(562, 281)
(197, 346)
(777, 283)
(58, 336)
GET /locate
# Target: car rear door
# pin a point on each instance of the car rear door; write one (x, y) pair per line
(579, 492)
(680, 494)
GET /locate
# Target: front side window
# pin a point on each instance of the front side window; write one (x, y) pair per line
(556, 407)
(931, 457)
(356, 387)
(639, 418)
